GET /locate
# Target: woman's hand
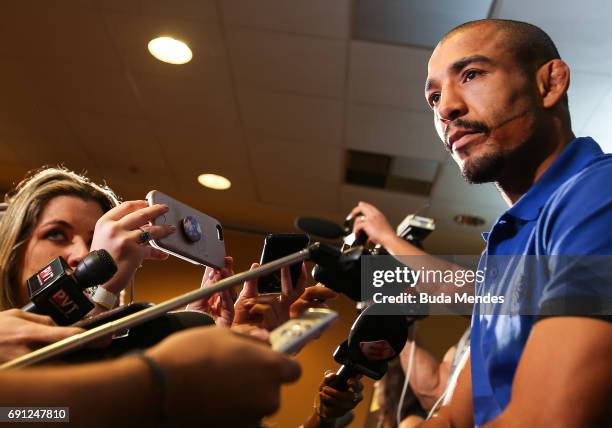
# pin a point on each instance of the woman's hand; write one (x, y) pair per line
(219, 305)
(22, 332)
(268, 310)
(124, 232)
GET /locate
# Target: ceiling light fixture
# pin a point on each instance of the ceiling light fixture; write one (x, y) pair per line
(469, 220)
(170, 50)
(214, 181)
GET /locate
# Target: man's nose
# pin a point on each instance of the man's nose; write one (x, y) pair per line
(451, 106)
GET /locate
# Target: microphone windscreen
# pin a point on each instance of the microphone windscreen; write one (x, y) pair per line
(95, 269)
(319, 227)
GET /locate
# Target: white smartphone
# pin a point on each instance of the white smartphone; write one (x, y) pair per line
(198, 238)
(297, 332)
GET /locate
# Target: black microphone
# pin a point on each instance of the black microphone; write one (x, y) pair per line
(372, 342)
(57, 290)
(342, 275)
(320, 227)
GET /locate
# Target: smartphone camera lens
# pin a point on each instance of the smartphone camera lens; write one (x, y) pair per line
(219, 232)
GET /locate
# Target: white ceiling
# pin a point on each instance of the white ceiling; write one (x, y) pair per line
(275, 94)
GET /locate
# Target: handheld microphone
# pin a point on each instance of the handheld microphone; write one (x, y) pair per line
(372, 342)
(57, 290)
(343, 274)
(320, 227)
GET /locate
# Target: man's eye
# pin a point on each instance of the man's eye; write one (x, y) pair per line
(434, 99)
(470, 74)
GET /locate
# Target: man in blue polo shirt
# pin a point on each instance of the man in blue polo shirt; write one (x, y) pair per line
(498, 90)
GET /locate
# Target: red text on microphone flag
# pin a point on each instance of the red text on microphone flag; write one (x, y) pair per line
(45, 274)
(377, 350)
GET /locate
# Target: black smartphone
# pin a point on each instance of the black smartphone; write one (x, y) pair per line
(279, 245)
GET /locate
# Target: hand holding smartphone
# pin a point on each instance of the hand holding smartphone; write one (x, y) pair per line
(199, 237)
(279, 245)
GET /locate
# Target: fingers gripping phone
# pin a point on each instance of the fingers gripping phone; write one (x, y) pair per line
(279, 245)
(198, 238)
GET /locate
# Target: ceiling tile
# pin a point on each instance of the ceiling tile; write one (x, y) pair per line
(395, 132)
(579, 29)
(395, 206)
(414, 22)
(388, 75)
(86, 88)
(199, 10)
(585, 93)
(450, 186)
(209, 99)
(598, 125)
(315, 17)
(9, 143)
(444, 211)
(280, 61)
(300, 160)
(117, 143)
(22, 110)
(68, 32)
(131, 34)
(414, 169)
(294, 117)
(34, 151)
(132, 185)
(290, 191)
(197, 147)
(10, 175)
(33, 134)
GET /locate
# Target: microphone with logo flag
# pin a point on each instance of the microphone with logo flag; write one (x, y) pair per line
(372, 342)
(57, 291)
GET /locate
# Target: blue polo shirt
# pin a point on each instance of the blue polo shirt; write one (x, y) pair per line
(567, 212)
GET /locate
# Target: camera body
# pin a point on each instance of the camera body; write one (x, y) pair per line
(344, 276)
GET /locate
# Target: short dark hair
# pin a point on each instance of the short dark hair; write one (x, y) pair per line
(530, 45)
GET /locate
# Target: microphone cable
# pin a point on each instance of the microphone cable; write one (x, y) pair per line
(450, 386)
(400, 404)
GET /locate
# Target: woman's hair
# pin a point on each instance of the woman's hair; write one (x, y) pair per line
(21, 210)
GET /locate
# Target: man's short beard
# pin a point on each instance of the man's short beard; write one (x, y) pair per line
(485, 169)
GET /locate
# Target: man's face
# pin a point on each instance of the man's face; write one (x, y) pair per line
(484, 104)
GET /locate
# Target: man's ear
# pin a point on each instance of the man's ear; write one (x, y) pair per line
(553, 79)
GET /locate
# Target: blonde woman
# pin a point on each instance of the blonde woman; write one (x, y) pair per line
(56, 212)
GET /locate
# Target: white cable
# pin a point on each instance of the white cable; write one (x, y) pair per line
(436, 404)
(400, 404)
(451, 384)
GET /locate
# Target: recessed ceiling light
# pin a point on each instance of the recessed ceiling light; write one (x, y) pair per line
(214, 181)
(170, 50)
(469, 220)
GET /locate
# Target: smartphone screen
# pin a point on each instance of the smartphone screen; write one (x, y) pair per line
(279, 245)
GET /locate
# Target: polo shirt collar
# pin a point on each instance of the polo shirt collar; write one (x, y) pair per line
(575, 157)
